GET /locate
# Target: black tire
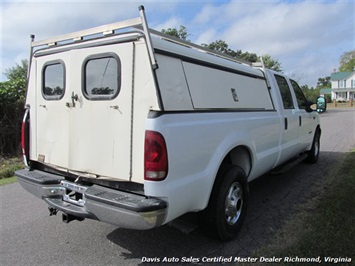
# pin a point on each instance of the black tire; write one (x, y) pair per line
(228, 203)
(313, 153)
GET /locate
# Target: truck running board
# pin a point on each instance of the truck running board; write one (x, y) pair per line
(288, 165)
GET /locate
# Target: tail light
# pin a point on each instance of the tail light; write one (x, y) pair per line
(25, 132)
(155, 157)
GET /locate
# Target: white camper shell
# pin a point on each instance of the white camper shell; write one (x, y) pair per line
(129, 126)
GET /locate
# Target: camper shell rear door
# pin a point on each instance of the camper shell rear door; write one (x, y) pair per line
(84, 110)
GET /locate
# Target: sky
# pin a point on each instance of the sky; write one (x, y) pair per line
(306, 37)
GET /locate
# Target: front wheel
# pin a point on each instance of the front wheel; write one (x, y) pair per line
(313, 153)
(226, 210)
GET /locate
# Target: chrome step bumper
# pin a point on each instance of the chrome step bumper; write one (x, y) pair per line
(124, 209)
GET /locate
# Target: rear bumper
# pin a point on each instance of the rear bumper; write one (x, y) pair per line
(124, 209)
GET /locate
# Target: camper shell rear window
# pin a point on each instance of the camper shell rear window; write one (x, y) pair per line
(101, 77)
(53, 81)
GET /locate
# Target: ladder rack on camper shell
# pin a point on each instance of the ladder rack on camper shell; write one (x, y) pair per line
(104, 30)
(139, 23)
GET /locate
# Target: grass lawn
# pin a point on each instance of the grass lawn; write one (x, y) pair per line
(7, 168)
(8, 180)
(324, 226)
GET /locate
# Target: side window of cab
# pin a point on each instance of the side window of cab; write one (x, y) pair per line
(285, 92)
(301, 99)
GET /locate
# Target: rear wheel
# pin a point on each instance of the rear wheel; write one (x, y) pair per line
(226, 210)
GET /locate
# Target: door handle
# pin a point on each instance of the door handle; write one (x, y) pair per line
(286, 123)
(300, 120)
(74, 98)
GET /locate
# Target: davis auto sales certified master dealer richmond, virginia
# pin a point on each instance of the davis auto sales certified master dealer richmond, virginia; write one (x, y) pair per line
(232, 259)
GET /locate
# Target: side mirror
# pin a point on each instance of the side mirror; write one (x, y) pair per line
(321, 104)
(308, 105)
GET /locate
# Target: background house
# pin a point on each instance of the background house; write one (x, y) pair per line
(326, 93)
(343, 86)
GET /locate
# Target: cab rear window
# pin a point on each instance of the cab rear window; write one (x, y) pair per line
(53, 83)
(101, 77)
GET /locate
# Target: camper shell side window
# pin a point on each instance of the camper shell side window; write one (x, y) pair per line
(53, 80)
(101, 76)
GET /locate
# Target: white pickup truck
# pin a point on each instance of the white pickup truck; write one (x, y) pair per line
(126, 125)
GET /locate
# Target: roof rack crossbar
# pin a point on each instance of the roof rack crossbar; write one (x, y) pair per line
(79, 35)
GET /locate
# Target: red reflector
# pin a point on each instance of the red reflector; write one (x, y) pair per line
(25, 137)
(155, 157)
(23, 132)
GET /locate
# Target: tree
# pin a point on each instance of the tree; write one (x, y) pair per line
(249, 57)
(14, 89)
(324, 82)
(12, 92)
(310, 93)
(180, 33)
(222, 47)
(313, 93)
(272, 63)
(18, 71)
(12, 99)
(347, 62)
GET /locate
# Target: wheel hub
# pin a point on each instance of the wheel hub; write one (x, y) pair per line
(234, 203)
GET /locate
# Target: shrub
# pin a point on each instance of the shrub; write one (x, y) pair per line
(12, 100)
(9, 166)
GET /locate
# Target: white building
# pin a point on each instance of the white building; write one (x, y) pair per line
(343, 86)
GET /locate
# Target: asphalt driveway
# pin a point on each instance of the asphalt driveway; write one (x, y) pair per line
(30, 237)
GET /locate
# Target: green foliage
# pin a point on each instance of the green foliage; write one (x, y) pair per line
(272, 63)
(9, 166)
(180, 33)
(250, 57)
(347, 62)
(310, 93)
(222, 47)
(12, 91)
(12, 100)
(18, 71)
(313, 93)
(324, 82)
(8, 180)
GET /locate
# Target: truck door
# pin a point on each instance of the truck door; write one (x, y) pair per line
(306, 119)
(50, 116)
(290, 119)
(86, 126)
